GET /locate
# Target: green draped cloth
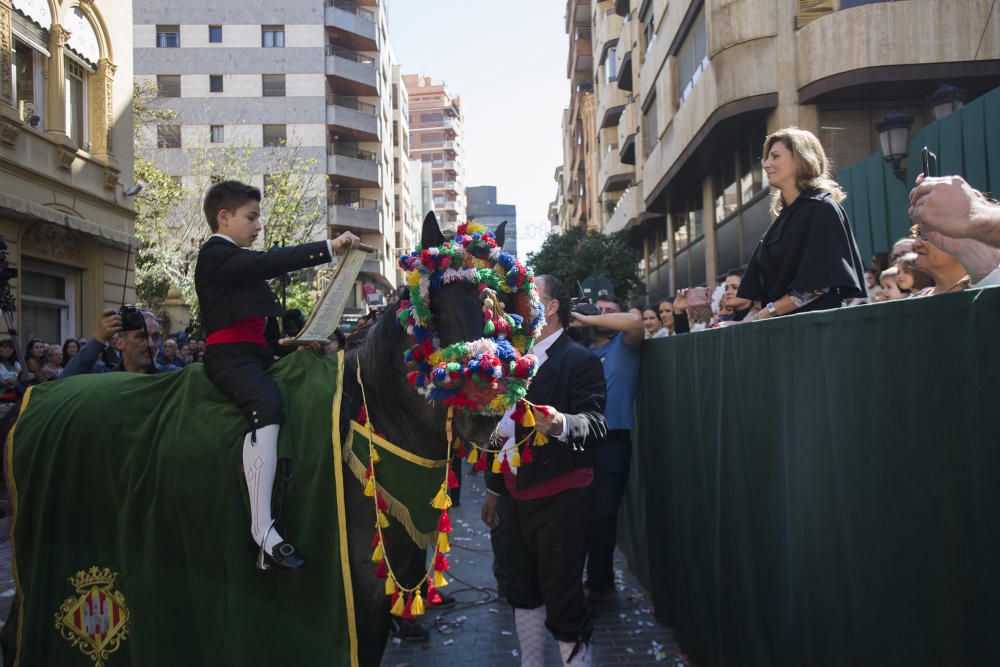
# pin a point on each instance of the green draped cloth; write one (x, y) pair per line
(134, 482)
(824, 489)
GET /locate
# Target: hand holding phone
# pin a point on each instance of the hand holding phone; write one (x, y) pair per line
(929, 161)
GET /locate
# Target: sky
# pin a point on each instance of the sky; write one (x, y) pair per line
(507, 61)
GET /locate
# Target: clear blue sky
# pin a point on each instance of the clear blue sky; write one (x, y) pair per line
(507, 60)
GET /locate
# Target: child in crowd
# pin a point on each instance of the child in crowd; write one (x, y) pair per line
(890, 286)
(235, 299)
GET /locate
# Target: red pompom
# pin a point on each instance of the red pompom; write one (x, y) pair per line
(444, 523)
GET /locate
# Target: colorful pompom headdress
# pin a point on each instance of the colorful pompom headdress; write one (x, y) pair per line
(484, 376)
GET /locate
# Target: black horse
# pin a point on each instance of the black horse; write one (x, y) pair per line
(408, 420)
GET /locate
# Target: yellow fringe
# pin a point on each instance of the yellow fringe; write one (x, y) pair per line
(540, 439)
(378, 554)
(443, 545)
(529, 419)
(381, 520)
(515, 459)
(442, 500)
(370, 487)
(473, 455)
(390, 586)
(374, 455)
(439, 580)
(417, 606)
(399, 606)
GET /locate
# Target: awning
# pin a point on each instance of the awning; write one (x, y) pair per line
(15, 207)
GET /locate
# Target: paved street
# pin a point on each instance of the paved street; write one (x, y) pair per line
(481, 630)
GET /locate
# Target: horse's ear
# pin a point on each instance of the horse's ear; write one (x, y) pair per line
(500, 233)
(431, 235)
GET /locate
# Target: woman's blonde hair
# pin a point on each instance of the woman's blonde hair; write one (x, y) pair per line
(812, 165)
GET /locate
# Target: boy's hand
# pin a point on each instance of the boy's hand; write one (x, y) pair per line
(344, 242)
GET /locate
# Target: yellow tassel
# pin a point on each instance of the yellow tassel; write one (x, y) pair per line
(443, 545)
(381, 520)
(417, 606)
(439, 580)
(370, 487)
(540, 439)
(515, 459)
(378, 554)
(496, 464)
(442, 500)
(399, 606)
(473, 455)
(529, 419)
(374, 456)
(390, 586)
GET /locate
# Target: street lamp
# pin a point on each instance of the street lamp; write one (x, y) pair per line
(946, 100)
(894, 135)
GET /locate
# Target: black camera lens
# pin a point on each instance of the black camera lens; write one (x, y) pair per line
(132, 318)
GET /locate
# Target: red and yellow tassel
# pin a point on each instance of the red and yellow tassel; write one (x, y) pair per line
(390, 586)
(439, 580)
(381, 520)
(473, 455)
(378, 554)
(540, 439)
(398, 605)
(442, 500)
(529, 419)
(417, 606)
(497, 467)
(443, 544)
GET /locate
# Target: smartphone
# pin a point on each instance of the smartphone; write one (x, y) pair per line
(929, 163)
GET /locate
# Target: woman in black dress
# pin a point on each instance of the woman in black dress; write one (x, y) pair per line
(807, 259)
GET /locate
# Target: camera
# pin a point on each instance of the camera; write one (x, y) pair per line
(583, 306)
(132, 318)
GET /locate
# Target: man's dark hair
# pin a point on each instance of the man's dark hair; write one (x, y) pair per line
(339, 336)
(735, 272)
(553, 288)
(228, 195)
(609, 298)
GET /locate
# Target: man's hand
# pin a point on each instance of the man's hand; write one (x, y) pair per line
(548, 420)
(109, 325)
(947, 205)
(344, 242)
(576, 320)
(680, 302)
(977, 258)
(488, 513)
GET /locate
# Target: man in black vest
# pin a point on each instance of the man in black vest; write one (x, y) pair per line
(550, 498)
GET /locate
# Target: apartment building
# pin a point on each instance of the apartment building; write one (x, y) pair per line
(484, 209)
(65, 162)
(581, 202)
(702, 82)
(310, 78)
(436, 137)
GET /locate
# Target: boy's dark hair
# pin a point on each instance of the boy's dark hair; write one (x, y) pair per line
(228, 195)
(555, 289)
(608, 298)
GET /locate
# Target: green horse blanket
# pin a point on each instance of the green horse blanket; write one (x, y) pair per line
(131, 539)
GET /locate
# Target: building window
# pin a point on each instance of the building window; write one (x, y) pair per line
(395, 201)
(168, 85)
(76, 102)
(648, 28)
(273, 85)
(29, 84)
(168, 36)
(395, 96)
(168, 136)
(275, 135)
(650, 129)
(611, 65)
(726, 197)
(272, 36)
(215, 34)
(751, 166)
(48, 301)
(692, 57)
(215, 83)
(439, 200)
(217, 134)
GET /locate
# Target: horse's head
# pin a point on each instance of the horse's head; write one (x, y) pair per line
(469, 313)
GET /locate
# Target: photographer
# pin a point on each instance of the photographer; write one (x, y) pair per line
(137, 341)
(617, 339)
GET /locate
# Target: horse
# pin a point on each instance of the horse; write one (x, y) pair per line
(376, 373)
(408, 420)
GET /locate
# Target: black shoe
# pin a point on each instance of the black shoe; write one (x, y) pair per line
(409, 630)
(283, 555)
(599, 595)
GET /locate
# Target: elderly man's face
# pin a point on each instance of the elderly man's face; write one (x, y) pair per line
(170, 347)
(136, 346)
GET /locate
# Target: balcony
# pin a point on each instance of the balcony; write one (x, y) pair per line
(612, 175)
(451, 124)
(577, 12)
(628, 130)
(581, 52)
(611, 101)
(627, 213)
(360, 217)
(622, 7)
(445, 185)
(351, 26)
(447, 206)
(609, 29)
(353, 166)
(624, 55)
(350, 114)
(354, 73)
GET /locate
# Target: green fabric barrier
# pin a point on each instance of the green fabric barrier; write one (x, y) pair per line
(141, 475)
(824, 489)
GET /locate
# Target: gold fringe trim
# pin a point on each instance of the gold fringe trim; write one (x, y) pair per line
(396, 508)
